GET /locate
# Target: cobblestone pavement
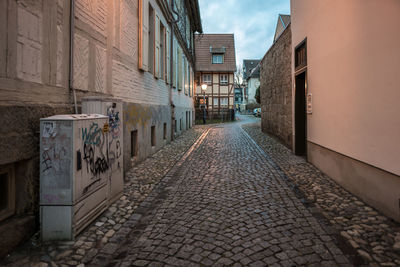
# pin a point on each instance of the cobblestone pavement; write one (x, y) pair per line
(225, 203)
(106, 233)
(370, 234)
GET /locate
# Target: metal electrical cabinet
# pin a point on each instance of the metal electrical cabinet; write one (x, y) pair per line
(113, 109)
(74, 173)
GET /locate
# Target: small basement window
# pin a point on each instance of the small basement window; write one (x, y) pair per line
(153, 135)
(7, 192)
(134, 143)
(165, 131)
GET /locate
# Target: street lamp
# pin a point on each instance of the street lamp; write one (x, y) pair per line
(204, 89)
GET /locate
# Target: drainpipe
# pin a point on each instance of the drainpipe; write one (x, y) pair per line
(171, 73)
(71, 52)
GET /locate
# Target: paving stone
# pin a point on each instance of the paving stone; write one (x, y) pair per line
(229, 201)
(358, 223)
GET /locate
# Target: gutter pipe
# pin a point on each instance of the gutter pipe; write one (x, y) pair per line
(71, 53)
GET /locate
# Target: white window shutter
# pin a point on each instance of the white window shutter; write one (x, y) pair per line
(143, 35)
(191, 82)
(157, 51)
(186, 77)
(179, 69)
(167, 53)
(175, 63)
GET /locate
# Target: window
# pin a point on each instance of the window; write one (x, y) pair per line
(187, 85)
(215, 101)
(165, 131)
(224, 101)
(175, 63)
(217, 59)
(180, 124)
(185, 76)
(153, 135)
(191, 82)
(7, 192)
(180, 68)
(187, 120)
(167, 56)
(176, 126)
(207, 78)
(150, 49)
(134, 143)
(154, 47)
(300, 59)
(162, 51)
(223, 79)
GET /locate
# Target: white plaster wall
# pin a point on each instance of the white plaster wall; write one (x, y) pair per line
(181, 100)
(252, 89)
(353, 75)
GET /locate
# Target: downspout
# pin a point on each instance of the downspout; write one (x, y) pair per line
(171, 74)
(71, 52)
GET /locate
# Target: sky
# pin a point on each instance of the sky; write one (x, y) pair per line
(252, 21)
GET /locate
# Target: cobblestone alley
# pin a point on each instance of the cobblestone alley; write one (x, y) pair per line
(214, 197)
(226, 203)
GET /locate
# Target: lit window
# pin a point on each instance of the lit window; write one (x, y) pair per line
(223, 79)
(207, 78)
(217, 59)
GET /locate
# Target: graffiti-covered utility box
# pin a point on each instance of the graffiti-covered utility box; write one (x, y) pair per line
(74, 169)
(112, 108)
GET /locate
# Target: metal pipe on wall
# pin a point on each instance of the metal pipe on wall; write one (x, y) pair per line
(71, 52)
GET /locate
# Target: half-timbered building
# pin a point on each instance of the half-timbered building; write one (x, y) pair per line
(215, 67)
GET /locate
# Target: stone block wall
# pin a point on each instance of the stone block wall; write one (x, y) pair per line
(275, 89)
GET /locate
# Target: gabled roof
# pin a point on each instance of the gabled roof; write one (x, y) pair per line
(207, 44)
(248, 66)
(255, 73)
(283, 21)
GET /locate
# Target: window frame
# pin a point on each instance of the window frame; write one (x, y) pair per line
(208, 82)
(215, 101)
(226, 81)
(223, 101)
(217, 55)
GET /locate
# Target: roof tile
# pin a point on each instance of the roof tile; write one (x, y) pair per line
(204, 56)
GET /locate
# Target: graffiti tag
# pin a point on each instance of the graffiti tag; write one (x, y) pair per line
(91, 136)
(113, 121)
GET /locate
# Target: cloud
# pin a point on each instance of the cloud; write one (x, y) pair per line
(252, 21)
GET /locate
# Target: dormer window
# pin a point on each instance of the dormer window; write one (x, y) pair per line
(217, 59)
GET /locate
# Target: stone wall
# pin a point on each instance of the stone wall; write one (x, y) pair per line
(275, 89)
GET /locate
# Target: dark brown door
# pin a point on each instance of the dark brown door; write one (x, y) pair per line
(300, 115)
